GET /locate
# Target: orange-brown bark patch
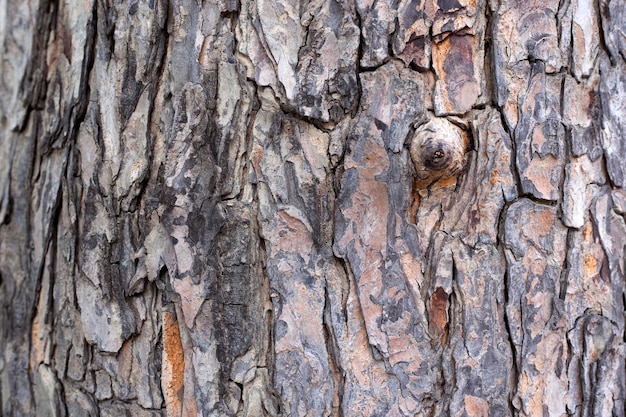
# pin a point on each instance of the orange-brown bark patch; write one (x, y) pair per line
(438, 311)
(540, 174)
(173, 366)
(541, 223)
(591, 265)
(476, 407)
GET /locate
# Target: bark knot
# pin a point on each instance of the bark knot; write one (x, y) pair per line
(438, 150)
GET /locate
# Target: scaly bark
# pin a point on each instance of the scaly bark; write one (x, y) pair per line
(321, 208)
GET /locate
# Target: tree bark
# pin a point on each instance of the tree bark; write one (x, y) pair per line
(312, 208)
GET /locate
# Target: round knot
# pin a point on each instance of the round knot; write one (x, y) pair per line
(436, 157)
(438, 150)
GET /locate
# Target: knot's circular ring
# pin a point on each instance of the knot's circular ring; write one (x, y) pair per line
(438, 150)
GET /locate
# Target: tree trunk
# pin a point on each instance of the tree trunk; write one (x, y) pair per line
(320, 208)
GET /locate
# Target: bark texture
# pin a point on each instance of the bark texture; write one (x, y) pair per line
(312, 208)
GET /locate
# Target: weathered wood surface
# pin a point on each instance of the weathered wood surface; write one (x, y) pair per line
(320, 208)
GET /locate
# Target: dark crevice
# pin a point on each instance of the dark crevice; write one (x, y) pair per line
(501, 246)
(373, 68)
(565, 269)
(501, 239)
(333, 351)
(290, 111)
(343, 266)
(601, 35)
(514, 168)
(414, 67)
(537, 200)
(515, 354)
(106, 30)
(624, 304)
(489, 60)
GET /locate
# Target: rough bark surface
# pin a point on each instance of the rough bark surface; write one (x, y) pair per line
(312, 208)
